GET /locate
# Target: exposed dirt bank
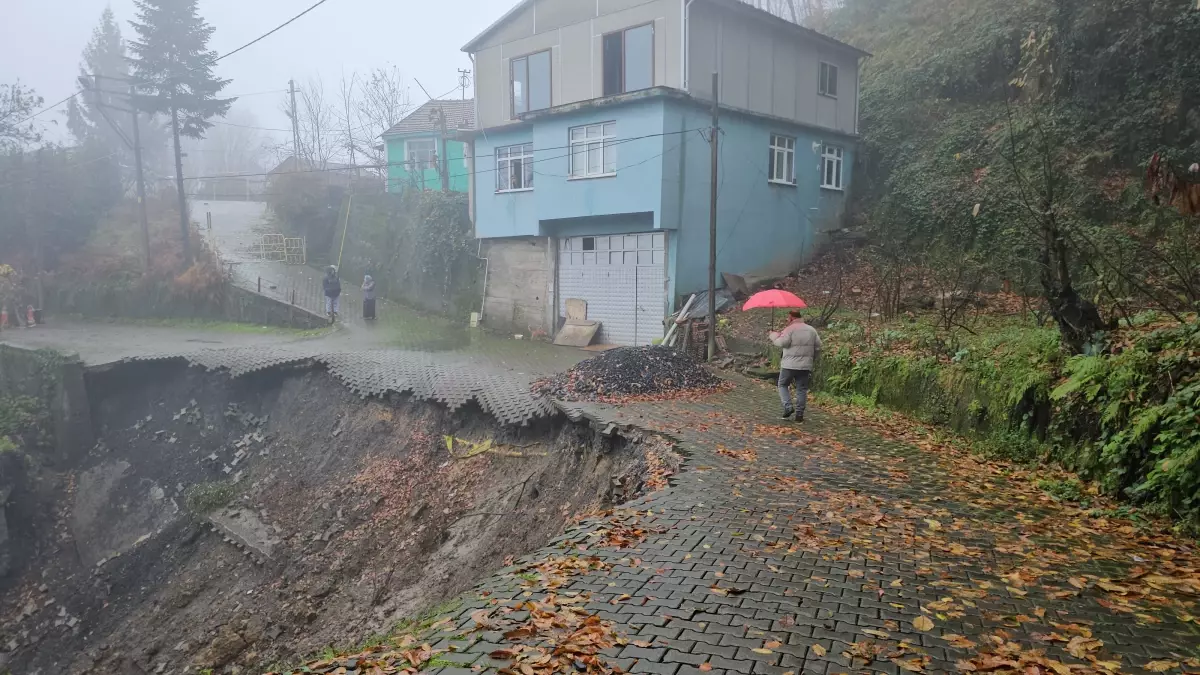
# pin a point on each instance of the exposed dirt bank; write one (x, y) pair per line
(235, 523)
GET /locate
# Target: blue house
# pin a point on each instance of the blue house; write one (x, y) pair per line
(592, 163)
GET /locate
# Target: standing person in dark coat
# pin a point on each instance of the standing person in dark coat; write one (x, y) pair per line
(333, 292)
(368, 289)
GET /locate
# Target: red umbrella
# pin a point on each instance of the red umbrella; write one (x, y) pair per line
(774, 298)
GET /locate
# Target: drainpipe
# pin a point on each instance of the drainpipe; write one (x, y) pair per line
(486, 265)
(686, 44)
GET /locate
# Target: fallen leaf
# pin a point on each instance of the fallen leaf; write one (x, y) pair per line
(760, 650)
(818, 650)
(773, 644)
(923, 623)
(706, 666)
(1161, 666)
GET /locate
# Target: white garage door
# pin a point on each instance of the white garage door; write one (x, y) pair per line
(622, 278)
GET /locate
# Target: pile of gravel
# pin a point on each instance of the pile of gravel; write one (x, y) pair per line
(655, 372)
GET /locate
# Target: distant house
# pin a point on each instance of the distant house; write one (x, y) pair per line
(424, 144)
(331, 173)
(593, 159)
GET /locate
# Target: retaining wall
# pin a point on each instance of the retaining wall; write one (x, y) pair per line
(153, 302)
(57, 382)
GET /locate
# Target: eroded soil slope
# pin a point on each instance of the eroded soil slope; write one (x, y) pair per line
(230, 524)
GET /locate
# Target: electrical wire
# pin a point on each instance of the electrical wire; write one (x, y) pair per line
(402, 163)
(265, 35)
(74, 165)
(216, 60)
(47, 109)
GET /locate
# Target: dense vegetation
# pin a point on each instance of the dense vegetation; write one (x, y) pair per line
(1006, 145)
(419, 244)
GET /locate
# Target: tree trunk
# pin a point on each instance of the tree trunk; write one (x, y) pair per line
(183, 211)
(1077, 317)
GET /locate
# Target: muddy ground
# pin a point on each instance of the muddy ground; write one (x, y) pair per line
(239, 524)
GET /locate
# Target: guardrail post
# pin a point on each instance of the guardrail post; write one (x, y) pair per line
(260, 285)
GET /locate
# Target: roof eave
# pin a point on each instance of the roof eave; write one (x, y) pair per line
(739, 6)
(470, 46)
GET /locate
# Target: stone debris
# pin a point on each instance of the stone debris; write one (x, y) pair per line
(631, 373)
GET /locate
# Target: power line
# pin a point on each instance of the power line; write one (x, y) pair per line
(268, 33)
(219, 58)
(402, 163)
(47, 109)
(74, 165)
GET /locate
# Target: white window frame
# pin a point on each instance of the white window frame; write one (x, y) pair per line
(526, 98)
(827, 73)
(586, 139)
(782, 157)
(520, 154)
(420, 163)
(832, 156)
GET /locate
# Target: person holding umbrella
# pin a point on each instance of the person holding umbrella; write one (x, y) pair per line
(801, 349)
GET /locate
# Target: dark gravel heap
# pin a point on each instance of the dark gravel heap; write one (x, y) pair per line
(631, 372)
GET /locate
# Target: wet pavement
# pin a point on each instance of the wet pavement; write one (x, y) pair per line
(828, 548)
(237, 229)
(779, 548)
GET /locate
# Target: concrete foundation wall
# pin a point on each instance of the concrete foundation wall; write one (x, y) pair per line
(238, 304)
(520, 290)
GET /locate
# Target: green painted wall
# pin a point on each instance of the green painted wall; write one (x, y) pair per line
(399, 175)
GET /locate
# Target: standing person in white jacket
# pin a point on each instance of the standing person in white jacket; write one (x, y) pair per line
(801, 349)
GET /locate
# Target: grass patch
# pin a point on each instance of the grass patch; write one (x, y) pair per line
(204, 498)
(1068, 490)
(18, 413)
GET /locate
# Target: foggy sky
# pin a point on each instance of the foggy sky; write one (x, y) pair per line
(41, 42)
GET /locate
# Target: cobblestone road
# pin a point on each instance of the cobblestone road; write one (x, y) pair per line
(830, 547)
(826, 548)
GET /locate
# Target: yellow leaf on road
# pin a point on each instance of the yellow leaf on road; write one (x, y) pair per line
(923, 623)
(818, 650)
(1161, 666)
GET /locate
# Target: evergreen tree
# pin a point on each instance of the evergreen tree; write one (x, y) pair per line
(173, 70)
(104, 74)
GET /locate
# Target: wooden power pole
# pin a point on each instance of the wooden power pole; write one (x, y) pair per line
(713, 132)
(183, 210)
(295, 127)
(141, 183)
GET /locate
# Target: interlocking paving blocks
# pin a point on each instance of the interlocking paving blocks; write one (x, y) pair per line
(453, 379)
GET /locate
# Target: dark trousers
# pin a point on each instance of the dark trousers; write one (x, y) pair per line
(368, 308)
(802, 378)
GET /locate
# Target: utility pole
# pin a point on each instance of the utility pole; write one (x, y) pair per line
(38, 254)
(141, 183)
(443, 168)
(295, 126)
(349, 130)
(464, 79)
(713, 132)
(183, 212)
(439, 115)
(135, 145)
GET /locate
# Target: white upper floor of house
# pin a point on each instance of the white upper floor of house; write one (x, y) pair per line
(544, 54)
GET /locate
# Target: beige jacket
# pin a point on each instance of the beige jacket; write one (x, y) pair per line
(801, 346)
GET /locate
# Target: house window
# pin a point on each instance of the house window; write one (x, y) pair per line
(514, 167)
(629, 60)
(828, 85)
(781, 157)
(420, 153)
(593, 150)
(831, 167)
(530, 78)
